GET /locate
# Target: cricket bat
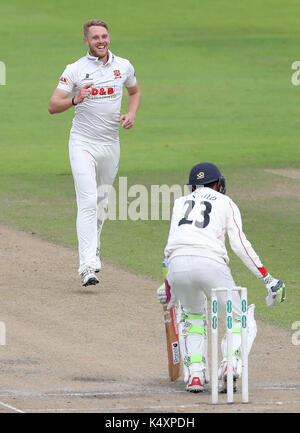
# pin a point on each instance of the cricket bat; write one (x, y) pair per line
(172, 334)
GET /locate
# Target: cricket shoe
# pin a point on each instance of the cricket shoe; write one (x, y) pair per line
(196, 383)
(88, 277)
(223, 377)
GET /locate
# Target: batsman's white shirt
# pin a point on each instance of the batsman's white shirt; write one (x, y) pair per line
(200, 222)
(97, 117)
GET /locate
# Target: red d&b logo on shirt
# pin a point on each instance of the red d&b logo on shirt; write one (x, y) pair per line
(103, 91)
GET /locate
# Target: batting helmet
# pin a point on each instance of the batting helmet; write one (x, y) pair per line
(206, 173)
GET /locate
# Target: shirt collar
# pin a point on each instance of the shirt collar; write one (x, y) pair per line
(96, 59)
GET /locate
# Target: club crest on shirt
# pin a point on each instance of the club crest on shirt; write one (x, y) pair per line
(63, 79)
(117, 73)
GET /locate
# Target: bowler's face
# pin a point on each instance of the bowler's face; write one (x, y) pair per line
(98, 41)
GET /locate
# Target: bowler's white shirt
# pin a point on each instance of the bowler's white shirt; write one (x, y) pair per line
(200, 223)
(97, 117)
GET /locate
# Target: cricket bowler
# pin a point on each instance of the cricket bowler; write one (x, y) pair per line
(96, 82)
(197, 262)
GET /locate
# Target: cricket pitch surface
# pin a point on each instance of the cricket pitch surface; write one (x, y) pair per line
(102, 349)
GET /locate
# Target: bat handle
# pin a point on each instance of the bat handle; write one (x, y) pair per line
(167, 286)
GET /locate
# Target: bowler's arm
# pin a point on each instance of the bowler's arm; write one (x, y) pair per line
(59, 102)
(133, 105)
(134, 99)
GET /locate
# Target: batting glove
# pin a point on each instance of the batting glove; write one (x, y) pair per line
(165, 295)
(276, 290)
(161, 294)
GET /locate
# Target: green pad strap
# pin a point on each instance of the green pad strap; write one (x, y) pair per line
(236, 330)
(195, 316)
(192, 359)
(194, 329)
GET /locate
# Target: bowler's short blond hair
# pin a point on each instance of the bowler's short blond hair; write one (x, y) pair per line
(91, 23)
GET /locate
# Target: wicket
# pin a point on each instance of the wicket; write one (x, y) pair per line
(214, 344)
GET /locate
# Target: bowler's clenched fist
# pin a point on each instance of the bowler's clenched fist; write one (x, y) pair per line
(84, 92)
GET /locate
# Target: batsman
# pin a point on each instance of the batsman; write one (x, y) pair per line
(197, 261)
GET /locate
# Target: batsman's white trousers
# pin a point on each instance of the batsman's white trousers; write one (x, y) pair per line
(94, 168)
(191, 279)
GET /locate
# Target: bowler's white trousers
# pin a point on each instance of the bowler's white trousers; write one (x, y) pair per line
(94, 168)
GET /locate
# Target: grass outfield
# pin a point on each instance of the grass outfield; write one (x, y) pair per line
(216, 85)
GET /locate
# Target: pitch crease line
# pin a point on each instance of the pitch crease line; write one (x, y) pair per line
(181, 406)
(11, 407)
(90, 394)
